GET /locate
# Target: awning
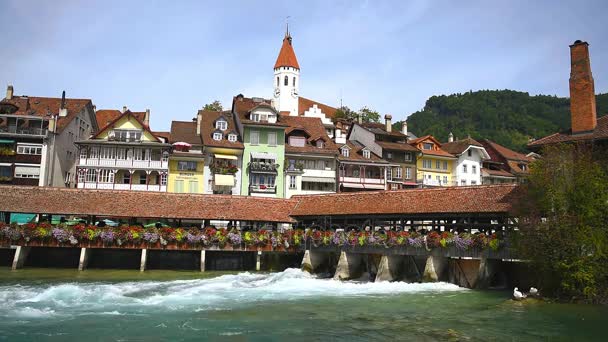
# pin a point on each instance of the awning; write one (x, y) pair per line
(224, 180)
(7, 141)
(225, 156)
(27, 170)
(318, 179)
(263, 155)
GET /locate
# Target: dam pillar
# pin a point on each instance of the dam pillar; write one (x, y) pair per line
(144, 258)
(21, 254)
(435, 269)
(258, 261)
(312, 260)
(491, 274)
(390, 268)
(84, 258)
(203, 260)
(349, 266)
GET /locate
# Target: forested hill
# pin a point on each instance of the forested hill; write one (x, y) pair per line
(508, 117)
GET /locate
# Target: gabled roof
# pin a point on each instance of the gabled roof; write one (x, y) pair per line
(305, 104)
(185, 131)
(315, 130)
(458, 147)
(504, 152)
(106, 116)
(356, 154)
(208, 119)
(395, 146)
(128, 113)
(439, 152)
(45, 107)
(380, 129)
(164, 135)
(599, 133)
(287, 57)
(242, 106)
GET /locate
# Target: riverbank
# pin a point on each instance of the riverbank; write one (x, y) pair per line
(50, 304)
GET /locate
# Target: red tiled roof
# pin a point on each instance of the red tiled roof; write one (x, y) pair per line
(380, 129)
(43, 106)
(356, 154)
(243, 105)
(22, 199)
(305, 104)
(106, 116)
(166, 135)
(461, 200)
(208, 128)
(287, 57)
(185, 131)
(505, 152)
(131, 114)
(599, 133)
(314, 128)
(500, 173)
(459, 146)
(438, 152)
(395, 146)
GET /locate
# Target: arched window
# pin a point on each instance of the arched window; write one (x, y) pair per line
(278, 82)
(286, 80)
(294, 81)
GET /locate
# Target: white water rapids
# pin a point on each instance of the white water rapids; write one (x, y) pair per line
(219, 293)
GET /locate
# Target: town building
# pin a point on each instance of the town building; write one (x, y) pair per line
(393, 147)
(123, 155)
(263, 147)
(504, 165)
(435, 166)
(37, 136)
(360, 169)
(186, 161)
(223, 147)
(310, 157)
(586, 127)
(468, 166)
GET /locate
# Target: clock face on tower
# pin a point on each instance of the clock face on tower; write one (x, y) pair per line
(294, 93)
(277, 92)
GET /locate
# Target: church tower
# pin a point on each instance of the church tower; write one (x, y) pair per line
(286, 78)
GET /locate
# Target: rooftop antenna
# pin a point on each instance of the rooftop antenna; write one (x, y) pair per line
(287, 26)
(341, 105)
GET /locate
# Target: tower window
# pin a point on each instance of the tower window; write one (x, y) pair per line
(294, 81)
(286, 80)
(278, 84)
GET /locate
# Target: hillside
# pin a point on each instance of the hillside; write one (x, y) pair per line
(508, 117)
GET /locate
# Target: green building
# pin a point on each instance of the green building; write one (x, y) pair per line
(264, 142)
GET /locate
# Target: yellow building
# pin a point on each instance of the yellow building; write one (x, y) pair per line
(435, 167)
(186, 163)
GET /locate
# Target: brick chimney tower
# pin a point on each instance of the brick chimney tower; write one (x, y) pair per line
(582, 89)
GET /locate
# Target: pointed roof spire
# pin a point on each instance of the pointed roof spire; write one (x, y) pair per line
(287, 57)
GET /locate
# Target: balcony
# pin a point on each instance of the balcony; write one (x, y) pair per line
(263, 167)
(26, 131)
(319, 173)
(124, 163)
(117, 186)
(261, 188)
(363, 183)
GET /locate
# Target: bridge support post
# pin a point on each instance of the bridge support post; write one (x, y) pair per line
(144, 258)
(203, 260)
(312, 260)
(488, 269)
(84, 258)
(349, 266)
(21, 254)
(435, 269)
(390, 268)
(258, 261)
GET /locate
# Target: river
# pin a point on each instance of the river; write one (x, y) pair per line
(102, 305)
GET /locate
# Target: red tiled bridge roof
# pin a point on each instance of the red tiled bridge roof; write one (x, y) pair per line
(111, 203)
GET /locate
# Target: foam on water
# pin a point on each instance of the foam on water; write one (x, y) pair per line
(223, 292)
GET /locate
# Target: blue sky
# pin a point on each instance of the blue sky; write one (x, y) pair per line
(175, 56)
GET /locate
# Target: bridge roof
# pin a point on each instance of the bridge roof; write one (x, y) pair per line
(140, 204)
(452, 200)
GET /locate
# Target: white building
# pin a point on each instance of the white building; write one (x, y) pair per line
(471, 154)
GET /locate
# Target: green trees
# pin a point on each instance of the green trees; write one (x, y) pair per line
(564, 223)
(508, 117)
(367, 114)
(215, 106)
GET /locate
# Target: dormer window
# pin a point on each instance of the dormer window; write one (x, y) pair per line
(345, 152)
(217, 136)
(427, 146)
(232, 137)
(366, 154)
(222, 125)
(320, 143)
(470, 153)
(255, 117)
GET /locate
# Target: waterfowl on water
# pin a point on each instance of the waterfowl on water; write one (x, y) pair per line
(533, 291)
(518, 295)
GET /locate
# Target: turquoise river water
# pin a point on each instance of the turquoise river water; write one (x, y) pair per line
(100, 305)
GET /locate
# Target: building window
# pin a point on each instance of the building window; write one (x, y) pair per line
(179, 186)
(408, 157)
(292, 182)
(345, 152)
(272, 139)
(221, 125)
(366, 154)
(445, 165)
(427, 164)
(294, 81)
(126, 177)
(474, 169)
(389, 173)
(217, 136)
(286, 80)
(255, 117)
(438, 178)
(473, 182)
(254, 137)
(81, 176)
(193, 185)
(463, 182)
(278, 84)
(389, 155)
(445, 180)
(297, 141)
(320, 144)
(408, 173)
(183, 165)
(125, 135)
(143, 178)
(106, 176)
(91, 176)
(34, 149)
(464, 168)
(437, 164)
(427, 146)
(470, 153)
(232, 137)
(163, 179)
(165, 157)
(398, 172)
(83, 153)
(27, 171)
